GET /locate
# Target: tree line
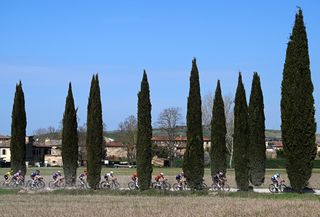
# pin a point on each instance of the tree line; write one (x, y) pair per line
(297, 124)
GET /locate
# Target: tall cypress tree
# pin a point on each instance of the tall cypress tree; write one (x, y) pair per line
(257, 147)
(241, 138)
(193, 161)
(94, 140)
(70, 140)
(218, 151)
(144, 146)
(18, 132)
(297, 108)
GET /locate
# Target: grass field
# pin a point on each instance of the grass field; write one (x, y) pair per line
(53, 205)
(123, 175)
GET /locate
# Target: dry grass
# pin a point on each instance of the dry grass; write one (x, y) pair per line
(52, 205)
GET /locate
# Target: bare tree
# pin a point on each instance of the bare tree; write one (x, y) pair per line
(228, 108)
(207, 104)
(128, 136)
(206, 107)
(168, 121)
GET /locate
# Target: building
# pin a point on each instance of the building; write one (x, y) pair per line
(115, 151)
(180, 143)
(5, 154)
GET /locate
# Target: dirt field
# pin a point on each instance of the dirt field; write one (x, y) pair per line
(51, 205)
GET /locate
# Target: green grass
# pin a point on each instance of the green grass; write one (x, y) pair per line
(8, 191)
(282, 196)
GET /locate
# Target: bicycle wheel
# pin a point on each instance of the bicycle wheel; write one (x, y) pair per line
(282, 187)
(29, 184)
(104, 185)
(273, 188)
(176, 187)
(41, 184)
(155, 185)
(226, 188)
(115, 185)
(131, 185)
(52, 185)
(166, 186)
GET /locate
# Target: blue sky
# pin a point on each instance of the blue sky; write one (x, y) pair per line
(46, 44)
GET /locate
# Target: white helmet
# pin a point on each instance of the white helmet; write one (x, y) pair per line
(220, 173)
(161, 174)
(111, 172)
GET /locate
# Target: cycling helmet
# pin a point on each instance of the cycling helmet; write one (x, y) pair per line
(278, 174)
(111, 172)
(161, 174)
(220, 173)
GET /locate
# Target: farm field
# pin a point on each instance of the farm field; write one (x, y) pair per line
(52, 205)
(123, 175)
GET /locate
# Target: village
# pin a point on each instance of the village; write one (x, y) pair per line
(47, 153)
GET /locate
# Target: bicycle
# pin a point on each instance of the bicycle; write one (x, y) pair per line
(19, 182)
(112, 184)
(223, 186)
(38, 183)
(280, 188)
(180, 186)
(162, 185)
(6, 183)
(57, 184)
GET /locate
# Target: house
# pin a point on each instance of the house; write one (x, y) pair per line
(5, 154)
(180, 143)
(115, 150)
(53, 158)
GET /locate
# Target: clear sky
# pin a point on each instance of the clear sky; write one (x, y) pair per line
(46, 44)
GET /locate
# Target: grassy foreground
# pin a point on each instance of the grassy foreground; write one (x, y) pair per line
(52, 205)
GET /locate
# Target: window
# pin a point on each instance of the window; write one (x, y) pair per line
(3, 151)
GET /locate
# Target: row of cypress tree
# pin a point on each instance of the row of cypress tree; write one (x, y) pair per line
(297, 116)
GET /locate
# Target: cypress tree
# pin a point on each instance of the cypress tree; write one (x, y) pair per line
(257, 147)
(193, 163)
(218, 151)
(241, 138)
(70, 140)
(297, 108)
(94, 140)
(18, 132)
(144, 134)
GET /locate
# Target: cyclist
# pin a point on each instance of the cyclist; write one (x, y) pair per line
(159, 179)
(8, 176)
(134, 178)
(276, 179)
(83, 175)
(109, 177)
(181, 179)
(35, 175)
(57, 177)
(17, 176)
(218, 178)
